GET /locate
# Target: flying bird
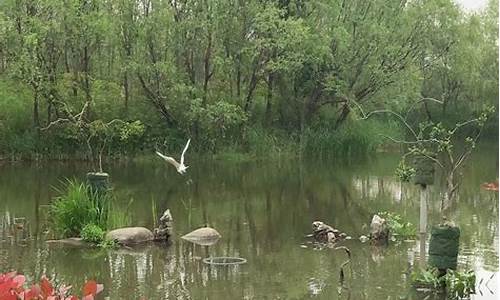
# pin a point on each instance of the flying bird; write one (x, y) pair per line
(181, 168)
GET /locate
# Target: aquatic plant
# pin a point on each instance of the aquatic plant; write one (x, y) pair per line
(427, 279)
(74, 209)
(78, 206)
(456, 285)
(12, 288)
(92, 233)
(404, 172)
(460, 285)
(397, 226)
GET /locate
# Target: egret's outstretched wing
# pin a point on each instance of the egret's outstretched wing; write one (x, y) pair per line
(184, 151)
(169, 160)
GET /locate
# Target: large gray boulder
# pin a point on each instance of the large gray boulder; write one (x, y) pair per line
(205, 236)
(130, 235)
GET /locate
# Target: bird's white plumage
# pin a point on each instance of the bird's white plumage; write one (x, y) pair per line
(184, 151)
(181, 168)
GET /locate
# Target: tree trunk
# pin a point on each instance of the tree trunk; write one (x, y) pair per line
(36, 112)
(451, 188)
(208, 73)
(251, 88)
(238, 76)
(126, 92)
(343, 116)
(269, 97)
(424, 193)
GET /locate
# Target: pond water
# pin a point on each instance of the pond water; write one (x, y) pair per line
(263, 211)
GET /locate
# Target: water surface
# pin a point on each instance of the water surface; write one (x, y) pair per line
(263, 211)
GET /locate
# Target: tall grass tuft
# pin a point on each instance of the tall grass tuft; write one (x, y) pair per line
(79, 207)
(76, 207)
(269, 143)
(352, 139)
(117, 217)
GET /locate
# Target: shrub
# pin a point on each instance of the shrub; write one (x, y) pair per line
(92, 233)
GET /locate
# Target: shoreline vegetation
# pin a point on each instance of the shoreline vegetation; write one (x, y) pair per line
(100, 79)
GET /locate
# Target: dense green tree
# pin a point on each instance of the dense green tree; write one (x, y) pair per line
(219, 69)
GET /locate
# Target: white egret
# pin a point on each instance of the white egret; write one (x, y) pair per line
(181, 168)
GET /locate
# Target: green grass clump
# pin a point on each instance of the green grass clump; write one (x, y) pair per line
(355, 138)
(92, 233)
(76, 207)
(397, 226)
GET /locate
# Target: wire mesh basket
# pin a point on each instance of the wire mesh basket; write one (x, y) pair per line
(224, 261)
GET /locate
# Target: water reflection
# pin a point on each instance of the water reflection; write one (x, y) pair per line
(263, 212)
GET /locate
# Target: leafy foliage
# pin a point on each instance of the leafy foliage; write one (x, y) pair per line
(404, 172)
(460, 284)
(427, 278)
(457, 285)
(397, 226)
(12, 288)
(92, 233)
(108, 79)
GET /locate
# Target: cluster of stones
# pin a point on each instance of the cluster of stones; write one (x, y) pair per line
(324, 233)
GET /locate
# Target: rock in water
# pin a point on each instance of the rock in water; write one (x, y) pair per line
(164, 229)
(325, 233)
(363, 238)
(378, 229)
(205, 236)
(74, 241)
(130, 235)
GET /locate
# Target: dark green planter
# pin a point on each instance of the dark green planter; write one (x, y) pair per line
(443, 247)
(99, 182)
(424, 170)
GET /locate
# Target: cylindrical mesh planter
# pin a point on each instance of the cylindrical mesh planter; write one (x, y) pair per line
(424, 170)
(443, 247)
